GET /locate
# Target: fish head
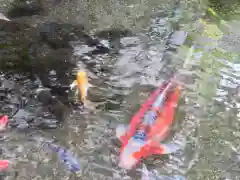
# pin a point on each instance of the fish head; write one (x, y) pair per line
(131, 153)
(82, 85)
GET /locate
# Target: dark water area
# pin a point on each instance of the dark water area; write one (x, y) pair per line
(126, 49)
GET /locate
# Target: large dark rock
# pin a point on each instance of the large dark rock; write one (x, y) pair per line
(15, 40)
(114, 33)
(114, 36)
(53, 105)
(20, 8)
(42, 51)
(58, 35)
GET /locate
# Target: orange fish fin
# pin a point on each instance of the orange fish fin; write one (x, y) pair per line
(73, 85)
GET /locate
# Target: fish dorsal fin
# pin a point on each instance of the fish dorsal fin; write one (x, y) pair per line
(158, 103)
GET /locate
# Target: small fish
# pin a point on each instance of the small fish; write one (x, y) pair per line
(3, 122)
(66, 157)
(4, 164)
(82, 85)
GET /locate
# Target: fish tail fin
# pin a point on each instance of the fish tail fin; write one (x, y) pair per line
(169, 148)
(145, 173)
(161, 149)
(73, 85)
(121, 131)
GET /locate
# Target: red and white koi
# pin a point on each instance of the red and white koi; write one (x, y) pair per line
(149, 126)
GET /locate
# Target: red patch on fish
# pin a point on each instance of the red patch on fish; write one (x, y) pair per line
(3, 122)
(4, 164)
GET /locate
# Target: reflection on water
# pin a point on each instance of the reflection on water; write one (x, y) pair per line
(207, 126)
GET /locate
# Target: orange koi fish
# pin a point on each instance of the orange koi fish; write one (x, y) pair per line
(82, 85)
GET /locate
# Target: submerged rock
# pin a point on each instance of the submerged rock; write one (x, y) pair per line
(113, 33)
(43, 53)
(15, 40)
(42, 50)
(114, 36)
(20, 8)
(53, 105)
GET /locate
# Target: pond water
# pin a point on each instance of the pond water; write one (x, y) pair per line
(207, 120)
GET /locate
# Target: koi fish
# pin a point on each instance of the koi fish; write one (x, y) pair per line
(148, 127)
(81, 84)
(3, 122)
(66, 157)
(4, 164)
